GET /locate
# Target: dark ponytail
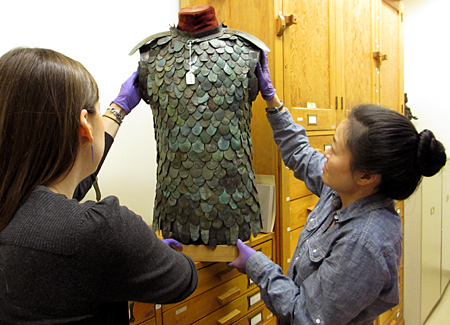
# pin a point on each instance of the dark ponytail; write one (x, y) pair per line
(386, 143)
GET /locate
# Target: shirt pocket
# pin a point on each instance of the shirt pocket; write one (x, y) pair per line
(310, 260)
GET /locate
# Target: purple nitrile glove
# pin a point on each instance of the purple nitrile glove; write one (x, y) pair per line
(263, 74)
(244, 254)
(172, 243)
(129, 95)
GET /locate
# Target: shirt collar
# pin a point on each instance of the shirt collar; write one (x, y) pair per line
(363, 206)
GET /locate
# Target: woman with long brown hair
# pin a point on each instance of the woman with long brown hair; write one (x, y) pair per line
(62, 261)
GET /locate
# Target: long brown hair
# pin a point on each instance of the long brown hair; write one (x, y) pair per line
(42, 93)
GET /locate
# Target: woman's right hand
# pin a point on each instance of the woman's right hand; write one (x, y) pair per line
(129, 95)
(264, 80)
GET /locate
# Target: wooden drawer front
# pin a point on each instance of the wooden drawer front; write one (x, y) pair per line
(392, 316)
(149, 322)
(204, 304)
(140, 312)
(257, 317)
(233, 311)
(300, 210)
(294, 234)
(208, 278)
(314, 119)
(321, 142)
(265, 248)
(297, 187)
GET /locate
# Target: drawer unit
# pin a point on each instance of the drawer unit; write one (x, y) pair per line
(206, 303)
(209, 277)
(219, 287)
(235, 310)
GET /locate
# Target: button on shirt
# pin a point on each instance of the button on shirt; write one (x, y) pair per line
(346, 273)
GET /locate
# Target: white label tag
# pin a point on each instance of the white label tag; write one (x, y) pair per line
(255, 320)
(255, 299)
(190, 78)
(181, 310)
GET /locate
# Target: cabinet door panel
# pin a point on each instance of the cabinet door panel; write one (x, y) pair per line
(391, 90)
(356, 53)
(307, 55)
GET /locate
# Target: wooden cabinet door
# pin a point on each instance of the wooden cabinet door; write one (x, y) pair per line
(309, 61)
(390, 16)
(356, 68)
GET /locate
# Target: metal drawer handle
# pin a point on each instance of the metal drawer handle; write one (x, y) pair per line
(222, 274)
(230, 318)
(229, 295)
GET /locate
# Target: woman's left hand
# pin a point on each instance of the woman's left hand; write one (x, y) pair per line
(244, 254)
(129, 95)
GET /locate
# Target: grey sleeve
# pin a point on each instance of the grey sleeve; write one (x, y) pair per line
(136, 264)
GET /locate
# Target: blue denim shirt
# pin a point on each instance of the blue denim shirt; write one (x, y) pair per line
(346, 274)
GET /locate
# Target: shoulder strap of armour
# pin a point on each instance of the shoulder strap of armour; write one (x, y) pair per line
(148, 39)
(249, 37)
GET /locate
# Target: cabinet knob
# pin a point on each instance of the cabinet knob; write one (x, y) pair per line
(380, 57)
(284, 22)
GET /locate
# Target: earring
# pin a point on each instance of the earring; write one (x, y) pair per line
(92, 150)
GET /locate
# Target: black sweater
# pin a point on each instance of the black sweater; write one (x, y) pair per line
(62, 262)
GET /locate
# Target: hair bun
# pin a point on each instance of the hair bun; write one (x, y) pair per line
(431, 155)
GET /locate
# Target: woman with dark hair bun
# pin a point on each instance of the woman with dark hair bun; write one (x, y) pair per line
(383, 142)
(61, 261)
(345, 266)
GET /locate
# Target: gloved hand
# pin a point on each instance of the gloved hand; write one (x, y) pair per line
(172, 243)
(129, 96)
(244, 254)
(263, 74)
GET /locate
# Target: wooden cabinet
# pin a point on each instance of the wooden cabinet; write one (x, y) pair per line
(326, 57)
(223, 296)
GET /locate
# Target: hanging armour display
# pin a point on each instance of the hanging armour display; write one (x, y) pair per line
(200, 87)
